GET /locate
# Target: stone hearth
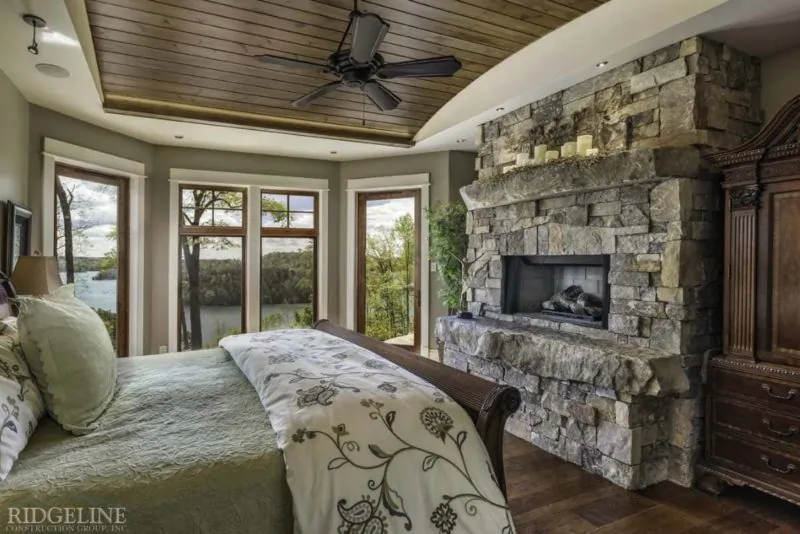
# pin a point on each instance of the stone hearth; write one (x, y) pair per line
(624, 400)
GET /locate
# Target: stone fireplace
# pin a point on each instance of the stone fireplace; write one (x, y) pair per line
(597, 282)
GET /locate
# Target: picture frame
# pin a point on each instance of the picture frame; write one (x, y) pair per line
(18, 235)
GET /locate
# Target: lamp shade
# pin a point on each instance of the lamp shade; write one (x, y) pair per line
(36, 275)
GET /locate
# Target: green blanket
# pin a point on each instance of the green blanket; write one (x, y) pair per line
(185, 446)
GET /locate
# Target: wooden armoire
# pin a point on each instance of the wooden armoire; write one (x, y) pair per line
(753, 403)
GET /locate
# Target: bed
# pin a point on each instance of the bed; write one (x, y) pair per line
(186, 445)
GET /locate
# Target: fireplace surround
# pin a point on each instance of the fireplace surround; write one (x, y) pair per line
(572, 289)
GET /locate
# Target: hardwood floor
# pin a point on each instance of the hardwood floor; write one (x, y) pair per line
(551, 496)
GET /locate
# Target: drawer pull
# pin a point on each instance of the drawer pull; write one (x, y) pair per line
(791, 432)
(768, 389)
(789, 467)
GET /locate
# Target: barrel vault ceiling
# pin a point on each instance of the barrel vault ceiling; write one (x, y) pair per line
(192, 59)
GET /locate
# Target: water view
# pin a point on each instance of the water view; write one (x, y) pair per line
(217, 321)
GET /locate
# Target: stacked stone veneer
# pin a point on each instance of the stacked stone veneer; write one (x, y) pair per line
(696, 92)
(623, 402)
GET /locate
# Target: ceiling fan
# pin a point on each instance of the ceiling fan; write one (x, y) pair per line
(362, 66)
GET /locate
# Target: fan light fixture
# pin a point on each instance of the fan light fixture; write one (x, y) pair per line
(602, 64)
(362, 67)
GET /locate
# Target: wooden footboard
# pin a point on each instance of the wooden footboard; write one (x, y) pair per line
(487, 403)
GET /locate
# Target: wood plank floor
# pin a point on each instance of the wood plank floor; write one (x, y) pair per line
(551, 496)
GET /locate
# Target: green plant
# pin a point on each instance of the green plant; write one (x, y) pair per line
(448, 248)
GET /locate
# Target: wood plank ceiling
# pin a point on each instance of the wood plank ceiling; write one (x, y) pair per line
(192, 59)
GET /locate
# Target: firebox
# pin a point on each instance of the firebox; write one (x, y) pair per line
(570, 289)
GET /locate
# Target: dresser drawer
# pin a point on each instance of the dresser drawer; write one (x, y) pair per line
(784, 428)
(778, 394)
(757, 458)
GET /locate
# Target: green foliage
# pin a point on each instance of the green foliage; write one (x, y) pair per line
(390, 280)
(448, 247)
(110, 320)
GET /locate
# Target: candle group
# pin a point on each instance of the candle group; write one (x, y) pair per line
(581, 147)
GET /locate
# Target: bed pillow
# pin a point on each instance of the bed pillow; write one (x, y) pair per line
(21, 404)
(69, 351)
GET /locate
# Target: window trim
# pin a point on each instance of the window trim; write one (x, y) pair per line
(60, 152)
(253, 183)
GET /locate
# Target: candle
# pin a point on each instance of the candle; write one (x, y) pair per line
(551, 155)
(569, 149)
(584, 144)
(523, 159)
(593, 152)
(539, 152)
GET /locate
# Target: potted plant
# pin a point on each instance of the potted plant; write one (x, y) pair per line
(448, 248)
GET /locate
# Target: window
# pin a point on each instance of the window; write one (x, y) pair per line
(289, 235)
(211, 297)
(92, 245)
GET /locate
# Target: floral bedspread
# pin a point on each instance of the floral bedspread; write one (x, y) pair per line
(369, 447)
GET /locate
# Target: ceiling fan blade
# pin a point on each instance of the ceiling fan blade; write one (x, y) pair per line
(290, 62)
(367, 35)
(316, 93)
(421, 68)
(384, 99)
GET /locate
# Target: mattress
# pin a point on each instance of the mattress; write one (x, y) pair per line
(185, 446)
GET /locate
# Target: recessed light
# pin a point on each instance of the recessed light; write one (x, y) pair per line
(178, 136)
(334, 152)
(500, 109)
(602, 64)
(53, 71)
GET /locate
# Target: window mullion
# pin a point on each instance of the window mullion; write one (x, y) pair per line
(253, 260)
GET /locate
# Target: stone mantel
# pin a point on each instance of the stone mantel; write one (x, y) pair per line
(566, 356)
(584, 175)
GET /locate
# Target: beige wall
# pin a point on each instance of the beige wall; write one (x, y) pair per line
(158, 217)
(13, 148)
(448, 171)
(780, 81)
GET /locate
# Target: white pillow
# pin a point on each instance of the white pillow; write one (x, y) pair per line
(69, 351)
(21, 404)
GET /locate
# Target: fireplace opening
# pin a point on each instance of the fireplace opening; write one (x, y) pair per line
(570, 289)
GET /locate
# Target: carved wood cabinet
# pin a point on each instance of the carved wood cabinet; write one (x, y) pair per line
(753, 403)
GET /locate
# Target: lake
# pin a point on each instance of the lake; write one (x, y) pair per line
(215, 320)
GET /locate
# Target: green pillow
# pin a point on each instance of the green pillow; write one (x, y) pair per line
(70, 354)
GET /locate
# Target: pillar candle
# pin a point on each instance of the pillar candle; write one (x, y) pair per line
(584, 144)
(523, 159)
(539, 152)
(593, 152)
(569, 149)
(551, 155)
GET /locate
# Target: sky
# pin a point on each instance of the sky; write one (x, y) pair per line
(95, 205)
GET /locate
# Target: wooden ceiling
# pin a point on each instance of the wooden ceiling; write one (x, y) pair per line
(192, 59)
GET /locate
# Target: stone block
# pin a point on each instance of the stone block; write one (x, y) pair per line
(572, 216)
(531, 241)
(638, 308)
(623, 292)
(485, 368)
(582, 413)
(604, 81)
(620, 473)
(455, 359)
(633, 244)
(495, 269)
(578, 105)
(678, 104)
(623, 324)
(670, 201)
(605, 208)
(596, 197)
(574, 451)
(620, 443)
(681, 465)
(666, 335)
(558, 202)
(647, 294)
(690, 46)
(518, 379)
(659, 75)
(635, 215)
(653, 472)
(634, 194)
(604, 407)
(555, 404)
(628, 278)
(660, 57)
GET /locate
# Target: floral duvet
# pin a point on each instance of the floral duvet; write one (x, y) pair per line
(369, 447)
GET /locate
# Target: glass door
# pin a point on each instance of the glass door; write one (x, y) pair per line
(92, 244)
(388, 286)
